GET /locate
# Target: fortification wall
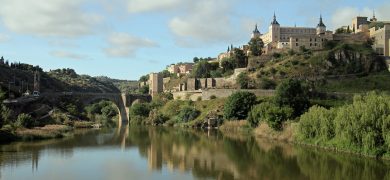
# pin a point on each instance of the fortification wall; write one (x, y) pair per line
(222, 93)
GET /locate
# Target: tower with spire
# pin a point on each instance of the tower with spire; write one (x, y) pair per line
(373, 19)
(321, 28)
(274, 30)
(256, 33)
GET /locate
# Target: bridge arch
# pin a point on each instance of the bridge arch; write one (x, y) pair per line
(122, 101)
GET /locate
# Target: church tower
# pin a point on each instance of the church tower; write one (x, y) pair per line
(274, 30)
(256, 33)
(321, 28)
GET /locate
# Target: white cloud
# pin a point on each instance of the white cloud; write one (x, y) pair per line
(138, 6)
(343, 16)
(126, 45)
(204, 22)
(67, 55)
(64, 18)
(3, 38)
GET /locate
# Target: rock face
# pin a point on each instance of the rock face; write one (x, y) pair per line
(349, 60)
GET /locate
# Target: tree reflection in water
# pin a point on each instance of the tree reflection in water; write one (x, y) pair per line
(206, 154)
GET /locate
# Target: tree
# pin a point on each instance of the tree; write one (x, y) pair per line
(144, 78)
(196, 59)
(165, 73)
(243, 80)
(272, 114)
(238, 105)
(144, 89)
(109, 111)
(202, 69)
(240, 58)
(140, 109)
(293, 94)
(227, 64)
(256, 45)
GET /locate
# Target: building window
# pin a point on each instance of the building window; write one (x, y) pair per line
(310, 39)
(315, 39)
(311, 44)
(296, 44)
(297, 39)
(315, 44)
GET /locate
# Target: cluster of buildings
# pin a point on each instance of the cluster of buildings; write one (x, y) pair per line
(180, 68)
(280, 38)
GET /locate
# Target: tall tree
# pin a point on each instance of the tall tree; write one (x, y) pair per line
(256, 45)
(240, 58)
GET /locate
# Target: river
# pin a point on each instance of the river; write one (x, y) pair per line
(168, 153)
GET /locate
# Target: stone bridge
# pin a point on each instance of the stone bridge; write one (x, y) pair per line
(122, 101)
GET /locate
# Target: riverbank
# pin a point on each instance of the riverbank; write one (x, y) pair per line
(10, 134)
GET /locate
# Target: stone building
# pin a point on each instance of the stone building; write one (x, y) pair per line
(381, 37)
(379, 31)
(281, 37)
(155, 84)
(181, 68)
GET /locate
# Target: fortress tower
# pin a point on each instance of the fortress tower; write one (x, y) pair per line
(274, 30)
(321, 28)
(256, 33)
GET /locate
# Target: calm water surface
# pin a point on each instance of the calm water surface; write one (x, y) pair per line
(161, 153)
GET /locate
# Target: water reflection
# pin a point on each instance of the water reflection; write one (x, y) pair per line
(168, 153)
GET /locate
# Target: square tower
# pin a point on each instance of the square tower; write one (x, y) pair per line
(155, 84)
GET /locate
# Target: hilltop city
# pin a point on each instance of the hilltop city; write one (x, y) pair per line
(264, 47)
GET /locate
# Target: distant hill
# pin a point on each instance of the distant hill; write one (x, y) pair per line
(20, 77)
(125, 86)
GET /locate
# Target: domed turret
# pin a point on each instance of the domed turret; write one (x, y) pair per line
(321, 28)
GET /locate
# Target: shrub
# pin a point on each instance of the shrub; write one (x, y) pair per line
(156, 118)
(213, 97)
(199, 98)
(25, 120)
(363, 126)
(172, 108)
(293, 94)
(270, 113)
(317, 123)
(267, 84)
(139, 109)
(238, 105)
(243, 80)
(187, 114)
(109, 111)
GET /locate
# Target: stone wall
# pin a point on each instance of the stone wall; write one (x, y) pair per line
(222, 93)
(187, 95)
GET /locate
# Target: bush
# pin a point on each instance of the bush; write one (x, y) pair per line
(187, 114)
(363, 126)
(317, 123)
(243, 80)
(270, 113)
(238, 105)
(109, 111)
(293, 94)
(267, 84)
(213, 97)
(156, 118)
(139, 109)
(25, 120)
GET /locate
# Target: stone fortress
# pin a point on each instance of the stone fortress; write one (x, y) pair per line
(278, 38)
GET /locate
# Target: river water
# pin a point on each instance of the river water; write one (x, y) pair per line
(167, 153)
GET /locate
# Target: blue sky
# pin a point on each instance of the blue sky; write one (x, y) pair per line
(128, 38)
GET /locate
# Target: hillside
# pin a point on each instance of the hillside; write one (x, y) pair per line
(340, 67)
(125, 86)
(20, 77)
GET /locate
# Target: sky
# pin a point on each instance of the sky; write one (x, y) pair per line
(125, 39)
